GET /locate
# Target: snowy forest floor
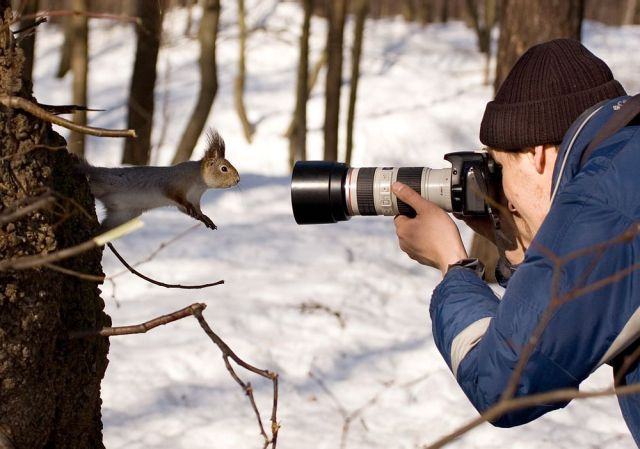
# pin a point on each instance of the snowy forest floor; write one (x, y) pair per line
(422, 95)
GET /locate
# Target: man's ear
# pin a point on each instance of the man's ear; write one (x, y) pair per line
(539, 158)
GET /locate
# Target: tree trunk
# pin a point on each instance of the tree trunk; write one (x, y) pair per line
(336, 11)
(80, 69)
(629, 12)
(408, 10)
(143, 81)
(483, 18)
(238, 88)
(311, 83)
(526, 23)
(67, 47)
(298, 138)
(187, 27)
(424, 8)
(207, 35)
(49, 384)
(358, 34)
(529, 22)
(444, 12)
(28, 43)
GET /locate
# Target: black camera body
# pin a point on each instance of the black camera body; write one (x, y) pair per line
(329, 192)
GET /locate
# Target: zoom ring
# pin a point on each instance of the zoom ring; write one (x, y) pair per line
(412, 177)
(364, 188)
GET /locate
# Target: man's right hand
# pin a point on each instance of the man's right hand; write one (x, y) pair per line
(507, 238)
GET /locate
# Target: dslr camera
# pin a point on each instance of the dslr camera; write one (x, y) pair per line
(329, 192)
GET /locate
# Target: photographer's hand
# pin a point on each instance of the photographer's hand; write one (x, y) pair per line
(431, 238)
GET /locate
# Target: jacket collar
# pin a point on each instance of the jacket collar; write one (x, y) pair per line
(576, 140)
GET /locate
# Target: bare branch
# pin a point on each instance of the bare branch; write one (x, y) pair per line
(155, 282)
(506, 406)
(79, 275)
(35, 147)
(37, 111)
(227, 354)
(32, 206)
(155, 252)
(144, 327)
(38, 21)
(349, 417)
(37, 260)
(314, 306)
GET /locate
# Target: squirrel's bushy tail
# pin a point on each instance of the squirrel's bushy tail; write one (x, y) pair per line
(96, 176)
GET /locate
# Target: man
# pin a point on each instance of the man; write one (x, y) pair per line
(573, 302)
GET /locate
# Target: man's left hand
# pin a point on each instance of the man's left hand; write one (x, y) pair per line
(431, 238)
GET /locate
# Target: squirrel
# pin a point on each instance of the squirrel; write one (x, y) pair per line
(127, 192)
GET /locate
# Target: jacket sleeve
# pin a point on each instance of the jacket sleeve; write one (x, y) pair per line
(481, 338)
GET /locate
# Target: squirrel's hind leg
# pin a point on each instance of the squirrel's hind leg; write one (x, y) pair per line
(115, 218)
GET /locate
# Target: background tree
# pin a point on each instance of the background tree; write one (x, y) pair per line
(49, 384)
(67, 45)
(358, 33)
(525, 23)
(240, 81)
(28, 42)
(528, 22)
(483, 15)
(207, 35)
(149, 31)
(298, 137)
(336, 12)
(80, 69)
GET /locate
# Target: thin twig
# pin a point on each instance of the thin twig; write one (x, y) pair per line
(349, 417)
(506, 406)
(313, 306)
(155, 282)
(38, 260)
(36, 204)
(155, 252)
(37, 111)
(38, 21)
(79, 275)
(66, 13)
(227, 353)
(141, 328)
(35, 147)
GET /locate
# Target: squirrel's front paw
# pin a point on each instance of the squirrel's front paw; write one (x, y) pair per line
(207, 221)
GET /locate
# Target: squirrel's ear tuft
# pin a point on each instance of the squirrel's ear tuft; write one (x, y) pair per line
(215, 145)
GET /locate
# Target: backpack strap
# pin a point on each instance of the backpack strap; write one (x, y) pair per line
(621, 118)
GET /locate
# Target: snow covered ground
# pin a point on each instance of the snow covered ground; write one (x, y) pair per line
(421, 96)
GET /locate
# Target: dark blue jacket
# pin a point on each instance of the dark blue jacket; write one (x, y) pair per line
(481, 337)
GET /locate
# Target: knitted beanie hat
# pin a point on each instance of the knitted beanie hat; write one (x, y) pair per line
(547, 89)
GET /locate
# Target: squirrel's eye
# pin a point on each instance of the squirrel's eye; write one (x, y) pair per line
(224, 169)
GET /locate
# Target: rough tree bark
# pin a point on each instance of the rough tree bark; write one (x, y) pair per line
(49, 384)
(298, 137)
(241, 76)
(362, 8)
(525, 23)
(336, 12)
(528, 22)
(80, 69)
(28, 43)
(207, 35)
(137, 151)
